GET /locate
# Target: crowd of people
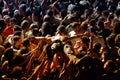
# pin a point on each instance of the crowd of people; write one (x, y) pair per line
(59, 40)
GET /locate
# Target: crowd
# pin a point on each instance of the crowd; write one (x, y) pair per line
(59, 40)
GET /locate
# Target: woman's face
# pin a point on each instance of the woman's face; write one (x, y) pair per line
(68, 49)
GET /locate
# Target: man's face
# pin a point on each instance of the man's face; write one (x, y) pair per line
(18, 44)
(7, 21)
(76, 29)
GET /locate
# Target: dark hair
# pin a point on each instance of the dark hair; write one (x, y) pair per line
(49, 52)
(85, 39)
(84, 26)
(63, 13)
(17, 71)
(2, 25)
(46, 18)
(24, 51)
(16, 38)
(88, 12)
(97, 47)
(112, 7)
(16, 15)
(1, 3)
(26, 42)
(116, 25)
(46, 29)
(17, 33)
(92, 22)
(13, 20)
(117, 12)
(24, 24)
(32, 26)
(111, 40)
(35, 31)
(7, 45)
(107, 55)
(28, 11)
(49, 12)
(17, 60)
(73, 17)
(23, 7)
(105, 13)
(9, 54)
(17, 28)
(100, 24)
(110, 65)
(61, 28)
(5, 12)
(110, 17)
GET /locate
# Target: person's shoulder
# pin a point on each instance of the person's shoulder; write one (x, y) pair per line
(8, 27)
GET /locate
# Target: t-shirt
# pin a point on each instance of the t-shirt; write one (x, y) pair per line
(7, 31)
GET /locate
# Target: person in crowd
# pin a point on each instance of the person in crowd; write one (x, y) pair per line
(59, 40)
(46, 29)
(9, 29)
(102, 31)
(61, 33)
(108, 23)
(25, 27)
(30, 28)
